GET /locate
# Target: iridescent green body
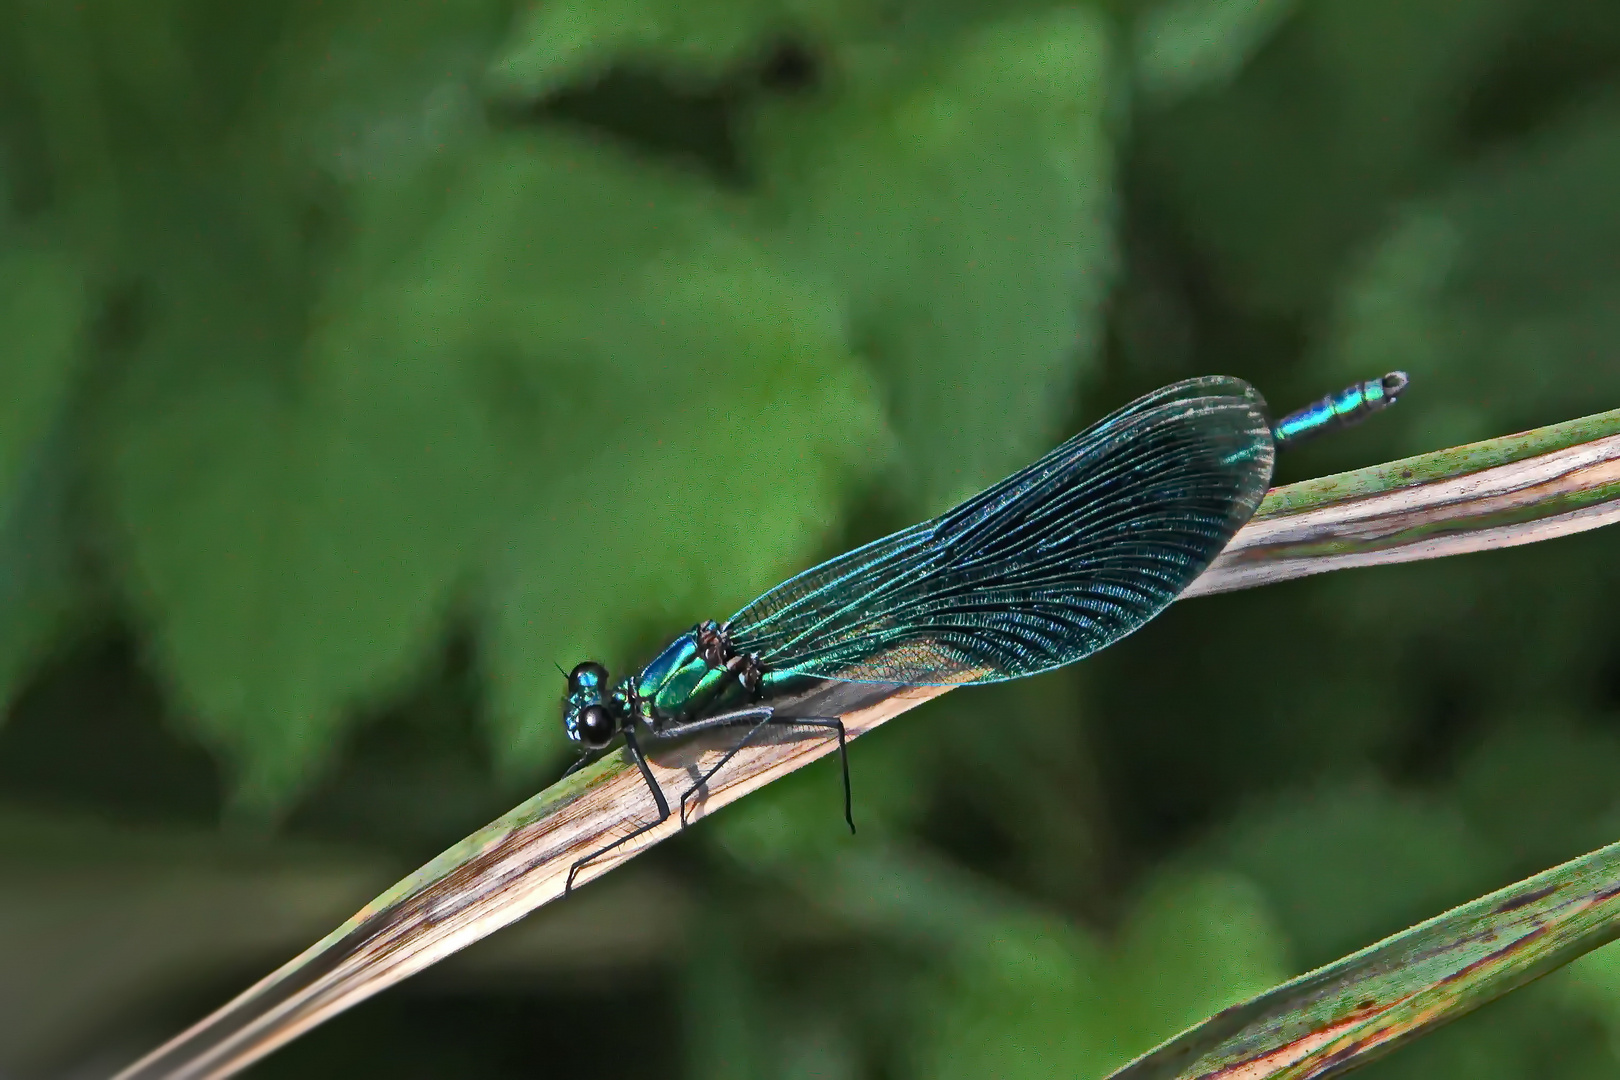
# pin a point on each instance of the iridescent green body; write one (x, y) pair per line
(678, 682)
(680, 685)
(1349, 406)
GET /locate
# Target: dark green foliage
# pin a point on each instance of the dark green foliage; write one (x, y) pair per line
(359, 362)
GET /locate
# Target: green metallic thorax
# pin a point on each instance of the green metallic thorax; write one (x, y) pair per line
(679, 686)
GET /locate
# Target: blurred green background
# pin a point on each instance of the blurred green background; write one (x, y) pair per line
(361, 361)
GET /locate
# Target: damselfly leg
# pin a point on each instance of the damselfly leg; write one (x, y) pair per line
(758, 719)
(662, 803)
(830, 723)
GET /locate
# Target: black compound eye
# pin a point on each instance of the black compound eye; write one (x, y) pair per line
(596, 727)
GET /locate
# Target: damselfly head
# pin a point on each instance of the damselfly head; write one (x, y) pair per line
(586, 717)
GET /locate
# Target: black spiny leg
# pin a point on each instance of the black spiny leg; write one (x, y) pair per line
(640, 759)
(830, 723)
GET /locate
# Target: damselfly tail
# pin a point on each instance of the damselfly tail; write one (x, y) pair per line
(1348, 407)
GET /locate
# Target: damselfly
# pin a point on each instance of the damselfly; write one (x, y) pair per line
(1060, 559)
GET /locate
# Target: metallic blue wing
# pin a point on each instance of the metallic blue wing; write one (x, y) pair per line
(1057, 561)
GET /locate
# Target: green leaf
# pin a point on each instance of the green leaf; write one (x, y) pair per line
(1189, 945)
(1593, 985)
(292, 522)
(528, 337)
(704, 43)
(1352, 862)
(369, 100)
(677, 417)
(1193, 944)
(1352, 104)
(1186, 46)
(44, 596)
(678, 490)
(1498, 290)
(1017, 989)
(962, 200)
(306, 460)
(722, 1000)
(295, 562)
(43, 308)
(1541, 786)
(577, 40)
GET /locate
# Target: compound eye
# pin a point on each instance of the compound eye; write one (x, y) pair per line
(596, 727)
(587, 676)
